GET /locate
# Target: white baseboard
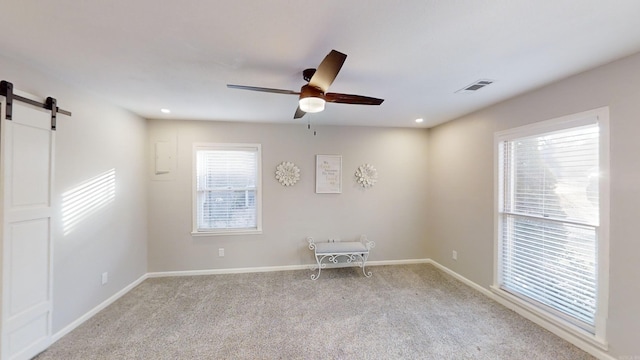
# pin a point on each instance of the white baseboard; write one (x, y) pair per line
(564, 334)
(226, 271)
(67, 329)
(398, 262)
(275, 268)
(461, 278)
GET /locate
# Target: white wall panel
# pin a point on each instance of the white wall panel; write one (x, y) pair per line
(28, 246)
(30, 184)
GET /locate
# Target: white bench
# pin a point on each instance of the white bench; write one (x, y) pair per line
(354, 251)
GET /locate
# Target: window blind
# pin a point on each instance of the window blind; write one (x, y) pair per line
(226, 188)
(549, 218)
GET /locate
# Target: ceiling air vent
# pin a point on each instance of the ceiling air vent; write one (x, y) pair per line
(474, 86)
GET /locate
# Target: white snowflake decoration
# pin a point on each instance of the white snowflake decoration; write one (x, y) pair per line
(287, 173)
(366, 175)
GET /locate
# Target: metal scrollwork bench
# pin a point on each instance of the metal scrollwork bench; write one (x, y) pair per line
(355, 252)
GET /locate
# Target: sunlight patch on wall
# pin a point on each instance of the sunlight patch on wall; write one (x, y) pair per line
(87, 198)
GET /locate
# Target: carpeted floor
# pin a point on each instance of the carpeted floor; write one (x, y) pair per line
(401, 312)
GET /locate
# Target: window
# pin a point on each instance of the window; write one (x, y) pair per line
(552, 237)
(227, 189)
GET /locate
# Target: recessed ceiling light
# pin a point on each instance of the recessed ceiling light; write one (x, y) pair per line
(165, 111)
(419, 120)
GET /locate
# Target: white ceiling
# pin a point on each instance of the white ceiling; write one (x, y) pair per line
(145, 55)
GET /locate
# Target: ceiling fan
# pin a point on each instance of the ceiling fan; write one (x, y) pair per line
(314, 95)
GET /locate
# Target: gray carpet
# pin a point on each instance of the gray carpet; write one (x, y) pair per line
(402, 312)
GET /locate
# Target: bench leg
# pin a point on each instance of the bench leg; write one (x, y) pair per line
(320, 266)
(364, 261)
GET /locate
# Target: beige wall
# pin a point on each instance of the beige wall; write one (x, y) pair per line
(392, 213)
(461, 183)
(97, 138)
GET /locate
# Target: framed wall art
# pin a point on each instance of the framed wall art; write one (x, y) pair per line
(328, 174)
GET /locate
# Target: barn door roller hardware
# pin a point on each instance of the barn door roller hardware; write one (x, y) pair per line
(6, 90)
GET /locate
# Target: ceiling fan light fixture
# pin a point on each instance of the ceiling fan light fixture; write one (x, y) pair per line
(312, 104)
(313, 96)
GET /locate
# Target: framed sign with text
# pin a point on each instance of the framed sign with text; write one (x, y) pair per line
(328, 174)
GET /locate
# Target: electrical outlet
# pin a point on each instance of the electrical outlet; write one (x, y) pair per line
(454, 255)
(105, 277)
(221, 252)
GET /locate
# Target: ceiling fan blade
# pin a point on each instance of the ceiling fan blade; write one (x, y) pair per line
(269, 90)
(299, 113)
(327, 70)
(351, 99)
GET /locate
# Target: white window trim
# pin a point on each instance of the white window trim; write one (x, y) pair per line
(194, 190)
(600, 116)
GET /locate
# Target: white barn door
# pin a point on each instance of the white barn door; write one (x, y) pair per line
(26, 156)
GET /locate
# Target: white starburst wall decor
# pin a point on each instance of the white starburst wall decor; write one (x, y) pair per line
(287, 173)
(366, 175)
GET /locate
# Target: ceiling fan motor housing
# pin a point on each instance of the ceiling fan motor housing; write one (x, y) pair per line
(307, 74)
(310, 91)
(311, 99)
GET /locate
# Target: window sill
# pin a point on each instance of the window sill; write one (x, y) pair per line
(224, 233)
(521, 306)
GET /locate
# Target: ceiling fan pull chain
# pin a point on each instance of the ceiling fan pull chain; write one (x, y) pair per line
(309, 125)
